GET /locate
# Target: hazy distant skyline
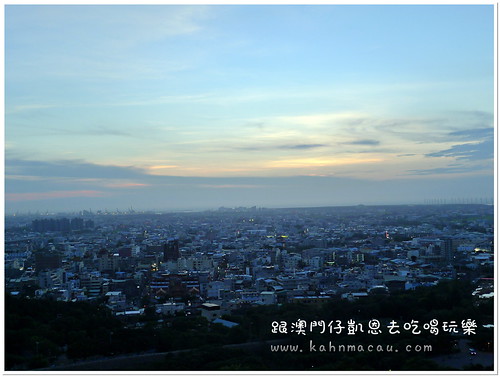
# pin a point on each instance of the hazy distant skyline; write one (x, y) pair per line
(194, 107)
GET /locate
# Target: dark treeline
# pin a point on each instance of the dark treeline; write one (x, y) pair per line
(40, 333)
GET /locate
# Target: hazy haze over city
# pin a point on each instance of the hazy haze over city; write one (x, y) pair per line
(193, 107)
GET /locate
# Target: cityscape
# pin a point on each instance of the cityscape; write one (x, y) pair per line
(149, 269)
(277, 188)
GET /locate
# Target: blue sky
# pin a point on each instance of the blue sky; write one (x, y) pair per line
(173, 107)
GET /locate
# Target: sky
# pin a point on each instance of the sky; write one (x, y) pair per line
(168, 107)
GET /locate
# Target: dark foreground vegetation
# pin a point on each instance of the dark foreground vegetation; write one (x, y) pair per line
(45, 334)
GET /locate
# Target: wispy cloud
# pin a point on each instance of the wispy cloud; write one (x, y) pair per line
(107, 50)
(72, 130)
(158, 167)
(92, 131)
(231, 186)
(303, 146)
(445, 170)
(312, 162)
(480, 117)
(475, 151)
(477, 133)
(296, 147)
(323, 119)
(369, 142)
(231, 98)
(70, 168)
(15, 197)
(126, 185)
(27, 108)
(23, 177)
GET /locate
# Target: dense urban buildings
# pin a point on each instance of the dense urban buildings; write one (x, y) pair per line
(212, 263)
(245, 255)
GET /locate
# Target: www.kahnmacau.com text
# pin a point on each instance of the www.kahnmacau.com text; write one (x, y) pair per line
(340, 348)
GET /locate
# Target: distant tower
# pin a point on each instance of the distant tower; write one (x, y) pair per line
(171, 250)
(447, 250)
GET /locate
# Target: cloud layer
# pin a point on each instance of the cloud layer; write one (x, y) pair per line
(296, 104)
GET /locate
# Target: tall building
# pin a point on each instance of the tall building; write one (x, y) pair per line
(60, 225)
(171, 250)
(447, 251)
